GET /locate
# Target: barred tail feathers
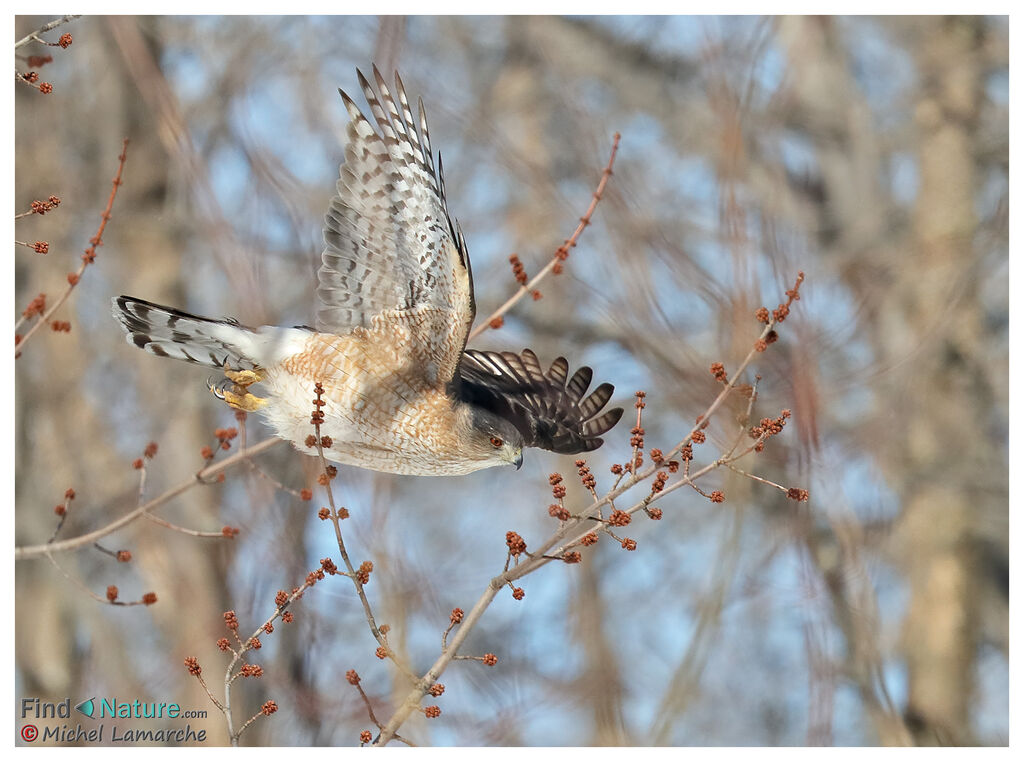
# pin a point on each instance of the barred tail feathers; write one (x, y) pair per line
(168, 332)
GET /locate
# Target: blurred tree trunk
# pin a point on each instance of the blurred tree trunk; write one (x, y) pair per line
(600, 685)
(944, 388)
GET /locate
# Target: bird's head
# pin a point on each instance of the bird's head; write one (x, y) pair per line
(494, 440)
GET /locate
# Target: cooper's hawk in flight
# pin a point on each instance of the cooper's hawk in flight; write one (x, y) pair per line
(402, 392)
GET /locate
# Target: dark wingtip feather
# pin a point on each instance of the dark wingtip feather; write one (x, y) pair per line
(604, 423)
(559, 371)
(596, 400)
(551, 410)
(579, 382)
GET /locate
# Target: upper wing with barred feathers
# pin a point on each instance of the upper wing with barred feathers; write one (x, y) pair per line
(549, 409)
(392, 251)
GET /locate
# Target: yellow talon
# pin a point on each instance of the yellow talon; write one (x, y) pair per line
(250, 403)
(243, 378)
(238, 395)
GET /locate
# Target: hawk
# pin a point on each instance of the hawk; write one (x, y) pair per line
(402, 392)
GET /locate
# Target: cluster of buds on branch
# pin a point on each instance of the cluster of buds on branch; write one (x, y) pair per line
(38, 305)
(671, 469)
(33, 62)
(240, 648)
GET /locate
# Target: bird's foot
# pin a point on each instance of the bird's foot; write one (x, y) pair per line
(234, 389)
(243, 378)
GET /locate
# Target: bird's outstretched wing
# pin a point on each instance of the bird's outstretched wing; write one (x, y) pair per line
(392, 252)
(549, 409)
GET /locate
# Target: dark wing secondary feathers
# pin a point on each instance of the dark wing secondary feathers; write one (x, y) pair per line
(390, 243)
(548, 408)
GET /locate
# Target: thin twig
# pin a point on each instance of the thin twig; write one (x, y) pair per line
(168, 524)
(560, 255)
(350, 569)
(63, 518)
(84, 588)
(250, 721)
(209, 693)
(183, 530)
(373, 717)
(746, 417)
(142, 483)
(245, 647)
(264, 475)
(639, 428)
(87, 258)
(33, 551)
(754, 477)
(35, 36)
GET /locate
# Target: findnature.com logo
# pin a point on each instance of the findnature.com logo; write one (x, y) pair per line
(108, 708)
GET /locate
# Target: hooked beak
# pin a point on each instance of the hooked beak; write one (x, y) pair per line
(518, 462)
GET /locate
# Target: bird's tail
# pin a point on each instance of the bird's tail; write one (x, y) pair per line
(167, 332)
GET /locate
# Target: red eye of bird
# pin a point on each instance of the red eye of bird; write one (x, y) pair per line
(496, 441)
